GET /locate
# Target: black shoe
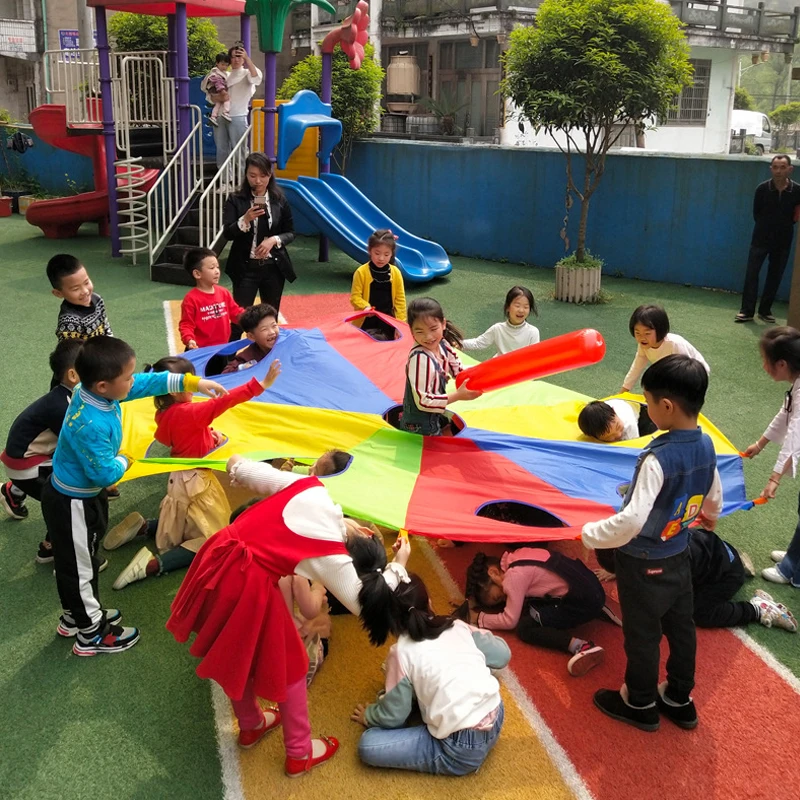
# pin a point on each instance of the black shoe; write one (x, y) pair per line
(684, 716)
(16, 509)
(767, 318)
(112, 493)
(742, 317)
(612, 704)
(44, 555)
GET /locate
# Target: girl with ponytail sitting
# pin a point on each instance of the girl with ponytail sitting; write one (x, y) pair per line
(230, 598)
(442, 663)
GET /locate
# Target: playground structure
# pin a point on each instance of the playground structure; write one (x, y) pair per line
(111, 99)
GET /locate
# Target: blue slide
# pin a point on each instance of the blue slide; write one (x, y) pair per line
(335, 207)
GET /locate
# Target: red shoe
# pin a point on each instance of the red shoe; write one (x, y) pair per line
(298, 766)
(252, 737)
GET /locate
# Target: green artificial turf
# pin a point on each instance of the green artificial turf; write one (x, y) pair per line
(140, 725)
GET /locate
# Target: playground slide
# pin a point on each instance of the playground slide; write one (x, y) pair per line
(340, 211)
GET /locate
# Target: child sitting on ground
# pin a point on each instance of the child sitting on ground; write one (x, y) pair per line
(208, 310)
(614, 420)
(31, 442)
(515, 331)
(83, 313)
(196, 506)
(260, 324)
(546, 595)
(675, 482)
(443, 664)
(649, 325)
(216, 83)
(87, 458)
(378, 285)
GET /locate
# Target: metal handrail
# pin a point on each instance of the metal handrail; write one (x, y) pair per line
(175, 188)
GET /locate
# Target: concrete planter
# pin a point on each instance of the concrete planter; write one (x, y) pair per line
(577, 285)
(24, 201)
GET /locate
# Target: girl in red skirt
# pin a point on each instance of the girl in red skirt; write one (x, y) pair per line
(230, 598)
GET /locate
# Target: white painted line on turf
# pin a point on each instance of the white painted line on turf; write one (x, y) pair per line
(767, 657)
(226, 744)
(171, 338)
(554, 750)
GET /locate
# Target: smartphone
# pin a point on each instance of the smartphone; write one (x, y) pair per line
(260, 201)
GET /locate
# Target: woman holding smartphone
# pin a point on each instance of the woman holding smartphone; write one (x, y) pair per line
(258, 220)
(242, 81)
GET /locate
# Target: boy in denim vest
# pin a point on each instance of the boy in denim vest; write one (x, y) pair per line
(675, 482)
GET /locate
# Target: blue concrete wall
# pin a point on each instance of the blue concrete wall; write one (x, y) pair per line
(673, 218)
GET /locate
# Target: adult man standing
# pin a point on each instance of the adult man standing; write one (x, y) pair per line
(774, 211)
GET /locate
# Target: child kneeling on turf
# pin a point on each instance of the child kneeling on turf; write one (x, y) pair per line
(443, 664)
(675, 482)
(87, 458)
(546, 595)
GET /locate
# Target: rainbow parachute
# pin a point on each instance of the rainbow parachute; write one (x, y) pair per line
(520, 447)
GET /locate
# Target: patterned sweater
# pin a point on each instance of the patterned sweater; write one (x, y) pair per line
(83, 322)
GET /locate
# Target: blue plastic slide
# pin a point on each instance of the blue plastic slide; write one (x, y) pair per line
(336, 208)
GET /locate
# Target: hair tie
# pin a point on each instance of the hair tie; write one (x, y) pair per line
(394, 574)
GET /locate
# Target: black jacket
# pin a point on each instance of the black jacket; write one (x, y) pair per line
(282, 225)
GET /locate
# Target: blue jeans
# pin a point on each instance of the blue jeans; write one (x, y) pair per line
(790, 566)
(415, 749)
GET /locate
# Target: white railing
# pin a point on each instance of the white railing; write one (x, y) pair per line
(74, 81)
(131, 207)
(175, 188)
(229, 178)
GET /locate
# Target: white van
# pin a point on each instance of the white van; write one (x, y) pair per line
(756, 125)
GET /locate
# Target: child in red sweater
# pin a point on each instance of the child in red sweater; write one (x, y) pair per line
(208, 310)
(196, 506)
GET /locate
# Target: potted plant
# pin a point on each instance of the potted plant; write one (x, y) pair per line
(445, 109)
(578, 282)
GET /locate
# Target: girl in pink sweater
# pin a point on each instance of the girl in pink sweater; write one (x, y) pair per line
(545, 594)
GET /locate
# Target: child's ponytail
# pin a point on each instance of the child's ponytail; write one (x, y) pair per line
(478, 576)
(412, 612)
(375, 596)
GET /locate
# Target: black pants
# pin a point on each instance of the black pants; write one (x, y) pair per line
(778, 257)
(76, 527)
(656, 599)
(713, 607)
(265, 280)
(33, 488)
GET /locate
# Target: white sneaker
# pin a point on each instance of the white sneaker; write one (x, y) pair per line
(135, 571)
(772, 614)
(772, 575)
(124, 532)
(777, 555)
(590, 655)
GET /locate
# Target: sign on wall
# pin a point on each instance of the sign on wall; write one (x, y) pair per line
(71, 39)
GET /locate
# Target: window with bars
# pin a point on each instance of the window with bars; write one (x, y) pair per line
(691, 105)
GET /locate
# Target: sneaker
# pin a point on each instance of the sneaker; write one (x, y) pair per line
(773, 614)
(124, 532)
(589, 656)
(16, 509)
(135, 571)
(115, 639)
(740, 317)
(612, 705)
(611, 612)
(684, 716)
(252, 737)
(44, 555)
(747, 564)
(112, 493)
(213, 121)
(67, 627)
(295, 767)
(777, 555)
(772, 575)
(767, 318)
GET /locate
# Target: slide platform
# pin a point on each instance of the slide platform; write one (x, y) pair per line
(339, 210)
(62, 217)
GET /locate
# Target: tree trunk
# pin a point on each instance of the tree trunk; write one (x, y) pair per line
(580, 250)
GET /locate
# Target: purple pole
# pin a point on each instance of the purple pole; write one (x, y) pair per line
(108, 127)
(182, 74)
(245, 28)
(270, 77)
(327, 93)
(172, 57)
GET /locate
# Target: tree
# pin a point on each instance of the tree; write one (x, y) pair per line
(355, 95)
(784, 117)
(743, 100)
(589, 68)
(131, 33)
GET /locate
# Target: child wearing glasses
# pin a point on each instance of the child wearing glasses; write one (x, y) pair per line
(780, 354)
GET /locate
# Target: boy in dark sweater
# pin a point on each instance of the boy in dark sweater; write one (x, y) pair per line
(28, 456)
(83, 313)
(675, 482)
(260, 324)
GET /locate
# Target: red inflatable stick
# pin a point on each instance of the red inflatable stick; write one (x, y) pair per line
(560, 354)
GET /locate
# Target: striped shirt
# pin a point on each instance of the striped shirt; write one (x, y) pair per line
(425, 376)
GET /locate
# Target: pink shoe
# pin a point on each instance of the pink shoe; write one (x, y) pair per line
(295, 767)
(250, 738)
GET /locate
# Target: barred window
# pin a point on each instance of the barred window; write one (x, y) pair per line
(691, 105)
